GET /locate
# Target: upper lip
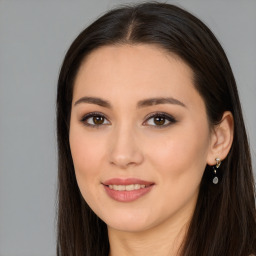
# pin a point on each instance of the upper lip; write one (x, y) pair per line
(129, 181)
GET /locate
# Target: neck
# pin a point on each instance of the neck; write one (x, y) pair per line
(165, 240)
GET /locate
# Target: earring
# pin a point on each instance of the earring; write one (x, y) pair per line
(216, 179)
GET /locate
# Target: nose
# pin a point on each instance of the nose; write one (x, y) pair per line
(125, 150)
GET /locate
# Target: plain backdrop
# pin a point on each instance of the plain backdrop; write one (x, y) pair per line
(34, 36)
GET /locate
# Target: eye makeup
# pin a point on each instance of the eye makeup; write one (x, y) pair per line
(156, 120)
(159, 120)
(95, 120)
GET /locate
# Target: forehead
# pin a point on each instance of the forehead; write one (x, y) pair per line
(128, 71)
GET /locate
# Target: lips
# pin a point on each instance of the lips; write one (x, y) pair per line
(127, 190)
(126, 187)
(118, 181)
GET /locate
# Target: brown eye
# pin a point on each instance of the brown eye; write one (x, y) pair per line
(98, 120)
(159, 120)
(94, 120)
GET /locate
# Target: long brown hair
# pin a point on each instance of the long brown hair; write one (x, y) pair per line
(224, 221)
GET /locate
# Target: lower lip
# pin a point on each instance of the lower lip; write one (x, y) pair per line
(127, 196)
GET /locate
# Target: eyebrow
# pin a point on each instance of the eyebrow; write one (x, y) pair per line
(157, 101)
(93, 100)
(140, 104)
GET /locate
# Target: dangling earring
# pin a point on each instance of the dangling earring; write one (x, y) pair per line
(216, 179)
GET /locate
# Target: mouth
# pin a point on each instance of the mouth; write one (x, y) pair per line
(130, 187)
(127, 190)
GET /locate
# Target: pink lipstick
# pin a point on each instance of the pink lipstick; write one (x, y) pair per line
(127, 190)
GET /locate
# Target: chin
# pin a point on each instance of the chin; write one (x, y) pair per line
(132, 227)
(128, 222)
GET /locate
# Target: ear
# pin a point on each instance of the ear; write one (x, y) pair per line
(221, 139)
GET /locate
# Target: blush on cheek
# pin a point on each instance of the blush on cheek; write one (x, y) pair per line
(83, 148)
(87, 158)
(180, 154)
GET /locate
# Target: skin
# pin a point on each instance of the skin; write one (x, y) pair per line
(130, 144)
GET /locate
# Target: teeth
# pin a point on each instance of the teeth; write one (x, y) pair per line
(126, 187)
(136, 186)
(119, 187)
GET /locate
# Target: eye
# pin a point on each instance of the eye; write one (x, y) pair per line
(160, 120)
(95, 120)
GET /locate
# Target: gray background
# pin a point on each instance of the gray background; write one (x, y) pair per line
(34, 36)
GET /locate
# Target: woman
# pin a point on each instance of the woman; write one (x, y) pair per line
(153, 153)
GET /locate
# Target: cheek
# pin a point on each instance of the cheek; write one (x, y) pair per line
(87, 153)
(179, 161)
(86, 150)
(182, 153)
(87, 158)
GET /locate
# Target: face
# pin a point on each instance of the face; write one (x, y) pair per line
(139, 136)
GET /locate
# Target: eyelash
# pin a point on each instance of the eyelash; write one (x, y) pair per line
(91, 115)
(167, 117)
